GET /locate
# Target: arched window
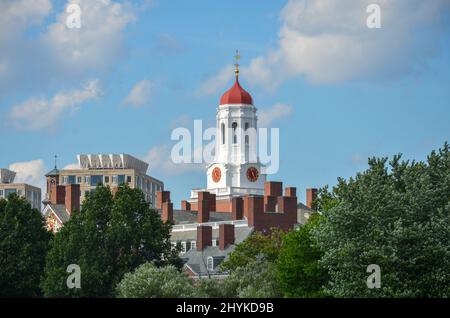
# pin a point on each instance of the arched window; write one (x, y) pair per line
(246, 126)
(247, 140)
(234, 126)
(223, 133)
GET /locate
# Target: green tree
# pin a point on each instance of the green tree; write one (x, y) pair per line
(24, 242)
(299, 271)
(150, 281)
(110, 237)
(256, 279)
(256, 246)
(397, 217)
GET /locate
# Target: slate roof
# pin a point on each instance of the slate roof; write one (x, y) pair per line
(197, 260)
(60, 211)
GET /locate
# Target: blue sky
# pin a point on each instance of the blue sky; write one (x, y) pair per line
(137, 69)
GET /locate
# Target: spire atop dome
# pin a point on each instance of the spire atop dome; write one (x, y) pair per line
(236, 94)
(236, 65)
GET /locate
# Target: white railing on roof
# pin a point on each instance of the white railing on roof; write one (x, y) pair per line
(214, 225)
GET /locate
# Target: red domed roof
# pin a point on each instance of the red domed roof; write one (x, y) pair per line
(236, 95)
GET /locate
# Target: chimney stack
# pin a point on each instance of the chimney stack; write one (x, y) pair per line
(226, 235)
(58, 194)
(167, 212)
(311, 195)
(162, 196)
(185, 205)
(273, 189)
(204, 237)
(203, 207)
(237, 208)
(72, 198)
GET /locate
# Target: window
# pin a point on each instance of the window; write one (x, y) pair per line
(193, 245)
(9, 191)
(234, 126)
(106, 179)
(1, 193)
(128, 179)
(223, 133)
(121, 179)
(246, 140)
(214, 242)
(114, 180)
(246, 126)
(210, 263)
(71, 179)
(183, 247)
(64, 180)
(96, 180)
(79, 179)
(87, 179)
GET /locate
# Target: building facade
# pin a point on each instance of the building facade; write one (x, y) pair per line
(109, 170)
(29, 192)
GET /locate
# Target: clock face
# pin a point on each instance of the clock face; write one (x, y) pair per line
(252, 174)
(216, 174)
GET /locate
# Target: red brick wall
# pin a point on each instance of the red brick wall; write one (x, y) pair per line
(311, 195)
(226, 235)
(72, 198)
(162, 196)
(273, 188)
(167, 212)
(204, 237)
(237, 208)
(58, 194)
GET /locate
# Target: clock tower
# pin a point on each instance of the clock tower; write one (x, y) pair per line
(236, 170)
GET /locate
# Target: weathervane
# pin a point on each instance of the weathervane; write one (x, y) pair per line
(56, 156)
(236, 65)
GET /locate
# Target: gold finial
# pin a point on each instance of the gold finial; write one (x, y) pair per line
(236, 65)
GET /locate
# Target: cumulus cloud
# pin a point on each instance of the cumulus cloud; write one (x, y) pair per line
(329, 42)
(31, 172)
(56, 52)
(159, 159)
(268, 115)
(42, 113)
(140, 94)
(216, 82)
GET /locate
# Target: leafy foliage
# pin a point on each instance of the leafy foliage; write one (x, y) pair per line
(396, 216)
(299, 271)
(256, 246)
(23, 245)
(110, 237)
(150, 281)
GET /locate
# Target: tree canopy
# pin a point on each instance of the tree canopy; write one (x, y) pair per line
(24, 242)
(394, 215)
(111, 236)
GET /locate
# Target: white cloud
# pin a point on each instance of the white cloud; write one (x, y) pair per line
(71, 166)
(55, 52)
(215, 83)
(329, 42)
(99, 41)
(31, 172)
(159, 159)
(41, 113)
(140, 94)
(268, 115)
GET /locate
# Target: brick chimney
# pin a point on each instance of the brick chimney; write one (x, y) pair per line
(72, 198)
(162, 196)
(237, 208)
(58, 194)
(290, 191)
(185, 205)
(167, 212)
(255, 207)
(273, 188)
(226, 235)
(203, 207)
(311, 195)
(204, 237)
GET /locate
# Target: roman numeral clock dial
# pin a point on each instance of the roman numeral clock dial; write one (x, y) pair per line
(252, 174)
